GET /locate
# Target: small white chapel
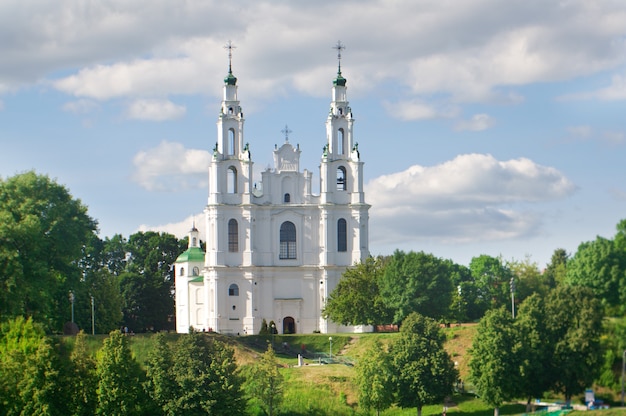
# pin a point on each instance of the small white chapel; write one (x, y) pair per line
(274, 250)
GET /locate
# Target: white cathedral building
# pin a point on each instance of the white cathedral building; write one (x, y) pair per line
(274, 252)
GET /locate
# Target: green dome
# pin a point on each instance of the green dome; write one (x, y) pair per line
(230, 79)
(340, 80)
(192, 254)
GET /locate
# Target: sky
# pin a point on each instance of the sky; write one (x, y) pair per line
(486, 127)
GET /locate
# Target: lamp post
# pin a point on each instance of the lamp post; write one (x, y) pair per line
(513, 296)
(273, 331)
(93, 318)
(72, 303)
(330, 349)
(623, 370)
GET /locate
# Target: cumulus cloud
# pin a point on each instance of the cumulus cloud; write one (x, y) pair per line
(171, 167)
(478, 122)
(419, 110)
(181, 228)
(470, 198)
(155, 110)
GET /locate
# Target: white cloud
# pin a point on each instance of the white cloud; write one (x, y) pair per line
(155, 110)
(82, 106)
(473, 197)
(179, 229)
(419, 110)
(478, 122)
(171, 167)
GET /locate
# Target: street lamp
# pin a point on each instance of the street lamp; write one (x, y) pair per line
(93, 318)
(513, 296)
(273, 331)
(72, 303)
(623, 369)
(330, 349)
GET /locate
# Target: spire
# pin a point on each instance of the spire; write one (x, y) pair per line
(340, 80)
(230, 78)
(286, 132)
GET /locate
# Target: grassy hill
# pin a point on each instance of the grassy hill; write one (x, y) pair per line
(326, 389)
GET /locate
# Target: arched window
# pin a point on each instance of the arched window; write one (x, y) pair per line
(182, 271)
(287, 198)
(196, 271)
(233, 290)
(341, 178)
(194, 241)
(231, 142)
(231, 179)
(287, 241)
(233, 236)
(342, 235)
(341, 144)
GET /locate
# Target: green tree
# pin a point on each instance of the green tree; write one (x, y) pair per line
(30, 377)
(425, 374)
(417, 282)
(119, 378)
(207, 378)
(574, 322)
(556, 271)
(494, 366)
(147, 284)
(42, 232)
(264, 382)
(528, 279)
(160, 384)
(492, 278)
(601, 266)
(375, 379)
(83, 380)
(356, 300)
(533, 349)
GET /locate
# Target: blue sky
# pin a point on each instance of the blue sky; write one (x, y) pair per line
(485, 128)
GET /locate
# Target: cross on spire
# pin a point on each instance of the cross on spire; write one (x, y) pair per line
(229, 45)
(339, 46)
(286, 132)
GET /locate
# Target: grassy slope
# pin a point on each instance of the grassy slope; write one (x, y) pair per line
(328, 389)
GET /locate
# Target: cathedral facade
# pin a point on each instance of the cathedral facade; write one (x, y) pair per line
(274, 251)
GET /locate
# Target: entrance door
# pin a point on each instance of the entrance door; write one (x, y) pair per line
(289, 325)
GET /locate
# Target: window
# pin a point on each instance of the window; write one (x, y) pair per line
(194, 241)
(340, 142)
(233, 290)
(341, 178)
(196, 271)
(287, 198)
(231, 142)
(182, 271)
(231, 179)
(342, 235)
(287, 241)
(233, 236)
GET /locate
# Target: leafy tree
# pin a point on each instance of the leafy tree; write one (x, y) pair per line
(42, 232)
(160, 384)
(264, 382)
(425, 374)
(119, 378)
(147, 284)
(494, 366)
(574, 322)
(492, 278)
(556, 270)
(601, 266)
(528, 279)
(533, 349)
(375, 379)
(205, 372)
(417, 282)
(83, 380)
(30, 377)
(356, 300)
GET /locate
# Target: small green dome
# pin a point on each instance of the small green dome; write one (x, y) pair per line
(192, 254)
(340, 80)
(230, 79)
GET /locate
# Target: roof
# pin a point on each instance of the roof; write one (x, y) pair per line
(192, 254)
